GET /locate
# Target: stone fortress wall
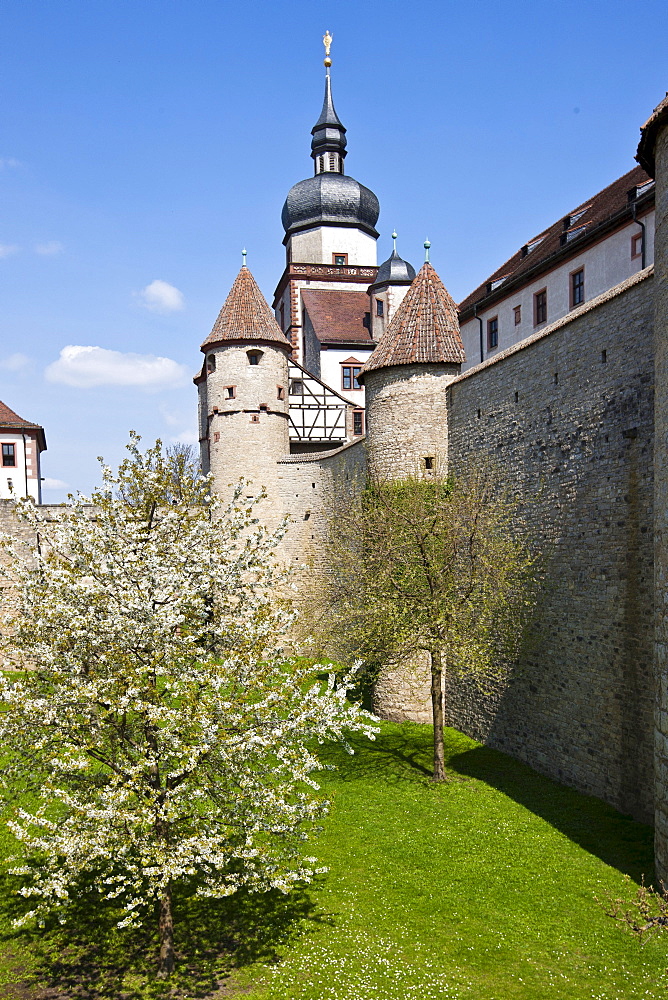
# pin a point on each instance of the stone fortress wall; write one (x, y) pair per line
(567, 417)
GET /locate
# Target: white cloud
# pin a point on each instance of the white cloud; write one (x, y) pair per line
(49, 249)
(8, 161)
(186, 437)
(7, 249)
(162, 297)
(54, 484)
(15, 362)
(86, 367)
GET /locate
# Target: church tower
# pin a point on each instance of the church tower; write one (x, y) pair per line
(330, 239)
(243, 392)
(406, 379)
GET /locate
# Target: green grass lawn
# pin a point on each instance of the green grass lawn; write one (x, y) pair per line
(480, 889)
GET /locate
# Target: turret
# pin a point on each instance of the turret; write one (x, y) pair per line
(388, 291)
(406, 379)
(330, 218)
(243, 390)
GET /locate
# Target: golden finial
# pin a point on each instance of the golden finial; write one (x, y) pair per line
(327, 41)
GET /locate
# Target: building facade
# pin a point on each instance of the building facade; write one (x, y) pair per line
(22, 444)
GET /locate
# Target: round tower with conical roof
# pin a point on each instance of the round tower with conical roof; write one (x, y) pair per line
(243, 393)
(406, 379)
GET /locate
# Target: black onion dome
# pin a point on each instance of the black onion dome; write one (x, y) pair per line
(331, 199)
(394, 271)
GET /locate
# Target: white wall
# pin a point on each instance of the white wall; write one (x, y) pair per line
(317, 246)
(606, 264)
(26, 462)
(330, 371)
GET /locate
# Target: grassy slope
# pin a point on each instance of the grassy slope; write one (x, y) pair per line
(481, 889)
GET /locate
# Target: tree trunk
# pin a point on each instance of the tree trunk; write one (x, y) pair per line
(437, 713)
(166, 965)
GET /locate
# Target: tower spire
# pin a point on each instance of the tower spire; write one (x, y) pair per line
(328, 146)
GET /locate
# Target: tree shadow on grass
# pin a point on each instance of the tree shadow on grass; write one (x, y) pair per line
(404, 752)
(90, 958)
(618, 840)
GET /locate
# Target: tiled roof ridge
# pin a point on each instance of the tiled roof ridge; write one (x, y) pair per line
(550, 238)
(246, 315)
(424, 329)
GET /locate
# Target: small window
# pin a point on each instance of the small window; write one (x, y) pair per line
(429, 462)
(636, 246)
(231, 391)
(211, 363)
(517, 312)
(255, 418)
(358, 422)
(341, 259)
(349, 375)
(9, 454)
(540, 307)
(10, 485)
(280, 392)
(604, 356)
(216, 437)
(296, 387)
(492, 333)
(577, 287)
(254, 357)
(264, 407)
(380, 307)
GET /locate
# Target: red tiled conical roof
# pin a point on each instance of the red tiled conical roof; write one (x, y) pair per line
(424, 329)
(246, 316)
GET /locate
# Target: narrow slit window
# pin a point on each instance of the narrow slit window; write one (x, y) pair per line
(231, 391)
(540, 307)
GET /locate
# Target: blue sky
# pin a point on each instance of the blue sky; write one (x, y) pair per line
(143, 143)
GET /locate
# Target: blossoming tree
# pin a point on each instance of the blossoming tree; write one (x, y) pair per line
(154, 719)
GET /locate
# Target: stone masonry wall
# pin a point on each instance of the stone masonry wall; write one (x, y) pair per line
(567, 417)
(661, 505)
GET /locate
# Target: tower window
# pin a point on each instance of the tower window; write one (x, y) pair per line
(254, 357)
(349, 375)
(231, 391)
(429, 462)
(255, 418)
(211, 363)
(333, 165)
(380, 307)
(340, 259)
(492, 333)
(540, 307)
(321, 164)
(577, 287)
(358, 422)
(9, 454)
(280, 392)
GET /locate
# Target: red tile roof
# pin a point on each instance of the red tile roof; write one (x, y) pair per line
(10, 421)
(583, 220)
(424, 329)
(648, 134)
(338, 316)
(246, 316)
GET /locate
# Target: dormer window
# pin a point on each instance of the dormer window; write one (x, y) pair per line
(254, 357)
(211, 363)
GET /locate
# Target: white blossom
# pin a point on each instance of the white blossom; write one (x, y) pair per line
(152, 719)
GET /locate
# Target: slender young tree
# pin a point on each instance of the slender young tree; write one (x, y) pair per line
(432, 565)
(151, 715)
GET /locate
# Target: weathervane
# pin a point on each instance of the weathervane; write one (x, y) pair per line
(327, 42)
